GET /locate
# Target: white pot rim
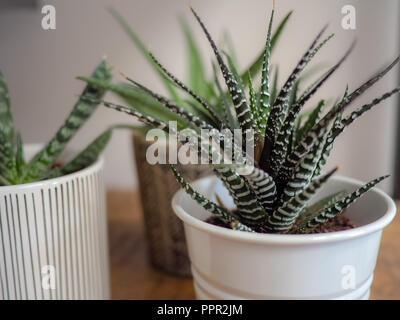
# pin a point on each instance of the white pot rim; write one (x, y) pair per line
(45, 183)
(290, 239)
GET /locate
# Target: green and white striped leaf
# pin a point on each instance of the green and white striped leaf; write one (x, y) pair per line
(255, 110)
(181, 112)
(213, 112)
(285, 216)
(312, 119)
(303, 173)
(238, 96)
(264, 101)
(7, 161)
(230, 120)
(82, 110)
(262, 184)
(279, 109)
(309, 213)
(89, 155)
(210, 206)
(8, 169)
(249, 208)
(329, 213)
(315, 134)
(19, 156)
(195, 66)
(6, 121)
(281, 145)
(256, 66)
(138, 100)
(342, 124)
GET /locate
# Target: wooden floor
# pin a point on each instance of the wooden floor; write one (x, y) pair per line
(132, 277)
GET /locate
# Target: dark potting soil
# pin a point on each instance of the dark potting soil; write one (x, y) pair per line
(339, 223)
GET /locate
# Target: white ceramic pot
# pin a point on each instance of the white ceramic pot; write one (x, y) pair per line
(229, 264)
(53, 237)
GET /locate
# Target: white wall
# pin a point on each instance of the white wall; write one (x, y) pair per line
(41, 65)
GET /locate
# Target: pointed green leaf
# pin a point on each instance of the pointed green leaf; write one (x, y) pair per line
(89, 155)
(6, 121)
(329, 213)
(256, 66)
(214, 113)
(262, 184)
(210, 206)
(279, 109)
(82, 110)
(141, 46)
(19, 156)
(264, 100)
(181, 112)
(195, 66)
(312, 211)
(285, 216)
(243, 112)
(249, 208)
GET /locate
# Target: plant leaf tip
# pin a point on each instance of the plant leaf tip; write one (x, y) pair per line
(122, 74)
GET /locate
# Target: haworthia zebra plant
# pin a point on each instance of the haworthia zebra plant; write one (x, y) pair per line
(273, 195)
(13, 167)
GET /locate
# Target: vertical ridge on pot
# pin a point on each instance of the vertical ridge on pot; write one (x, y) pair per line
(54, 233)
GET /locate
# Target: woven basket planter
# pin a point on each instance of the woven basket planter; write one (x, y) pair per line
(164, 231)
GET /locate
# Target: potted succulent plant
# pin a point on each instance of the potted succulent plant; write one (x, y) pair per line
(53, 237)
(266, 236)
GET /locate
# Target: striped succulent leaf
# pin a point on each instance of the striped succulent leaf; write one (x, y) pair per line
(89, 155)
(307, 142)
(312, 119)
(309, 213)
(264, 101)
(226, 216)
(231, 121)
(7, 161)
(8, 170)
(138, 99)
(303, 173)
(19, 156)
(332, 211)
(341, 124)
(82, 110)
(285, 216)
(250, 209)
(213, 112)
(279, 151)
(328, 145)
(6, 121)
(274, 88)
(195, 120)
(262, 184)
(255, 110)
(336, 130)
(258, 62)
(272, 195)
(244, 115)
(195, 66)
(281, 103)
(202, 146)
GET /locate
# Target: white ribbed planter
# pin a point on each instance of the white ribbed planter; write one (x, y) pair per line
(229, 264)
(59, 223)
